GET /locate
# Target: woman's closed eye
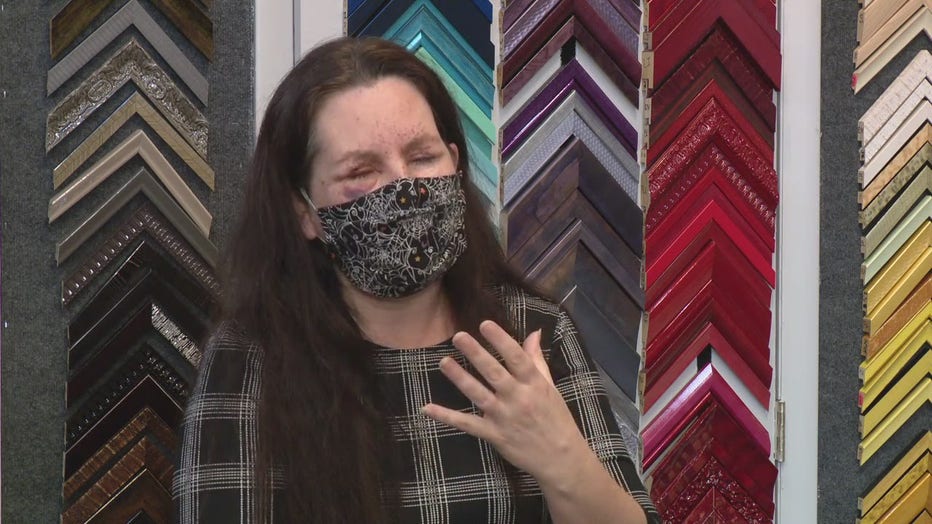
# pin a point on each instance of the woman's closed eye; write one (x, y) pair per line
(426, 159)
(359, 173)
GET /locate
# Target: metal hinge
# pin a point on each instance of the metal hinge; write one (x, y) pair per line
(780, 437)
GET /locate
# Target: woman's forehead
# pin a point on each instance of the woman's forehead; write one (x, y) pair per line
(386, 114)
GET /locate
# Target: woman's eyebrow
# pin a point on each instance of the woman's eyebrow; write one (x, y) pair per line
(370, 155)
(420, 141)
(360, 155)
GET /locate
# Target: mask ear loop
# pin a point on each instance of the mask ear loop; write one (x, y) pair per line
(307, 199)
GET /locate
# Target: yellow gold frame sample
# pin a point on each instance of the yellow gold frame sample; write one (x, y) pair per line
(880, 280)
(918, 373)
(882, 488)
(918, 298)
(917, 398)
(885, 367)
(901, 485)
(897, 210)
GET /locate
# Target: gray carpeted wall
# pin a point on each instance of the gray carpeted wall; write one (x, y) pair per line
(841, 479)
(33, 324)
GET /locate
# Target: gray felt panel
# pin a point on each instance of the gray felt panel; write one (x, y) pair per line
(841, 479)
(33, 323)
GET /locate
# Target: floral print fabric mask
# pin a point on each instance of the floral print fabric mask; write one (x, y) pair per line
(397, 239)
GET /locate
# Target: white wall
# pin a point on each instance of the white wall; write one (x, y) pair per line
(797, 313)
(280, 41)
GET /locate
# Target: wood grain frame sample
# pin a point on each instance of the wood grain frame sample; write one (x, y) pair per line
(571, 118)
(906, 175)
(872, 36)
(916, 300)
(137, 144)
(143, 495)
(146, 455)
(86, 439)
(142, 182)
(530, 34)
(922, 94)
(874, 15)
(918, 70)
(149, 222)
(919, 23)
(164, 278)
(568, 234)
(145, 424)
(193, 22)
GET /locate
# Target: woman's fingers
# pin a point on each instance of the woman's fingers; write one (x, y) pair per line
(532, 348)
(467, 384)
(466, 422)
(517, 360)
(491, 369)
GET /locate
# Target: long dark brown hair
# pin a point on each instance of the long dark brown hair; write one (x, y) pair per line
(319, 412)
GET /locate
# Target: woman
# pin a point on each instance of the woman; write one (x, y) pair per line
(377, 360)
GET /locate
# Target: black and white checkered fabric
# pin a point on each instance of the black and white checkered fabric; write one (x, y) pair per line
(447, 476)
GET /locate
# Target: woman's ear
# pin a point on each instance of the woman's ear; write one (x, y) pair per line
(307, 218)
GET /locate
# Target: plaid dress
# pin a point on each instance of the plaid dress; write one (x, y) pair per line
(447, 476)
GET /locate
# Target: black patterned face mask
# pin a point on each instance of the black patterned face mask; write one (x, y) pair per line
(396, 240)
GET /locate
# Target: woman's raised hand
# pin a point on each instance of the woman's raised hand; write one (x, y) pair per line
(522, 414)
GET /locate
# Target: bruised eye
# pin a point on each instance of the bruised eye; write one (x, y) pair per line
(357, 174)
